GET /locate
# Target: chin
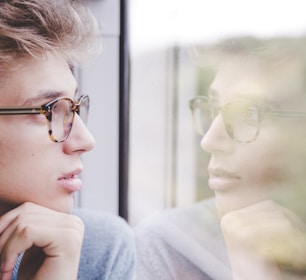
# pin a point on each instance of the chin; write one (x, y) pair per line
(64, 206)
(66, 209)
(226, 203)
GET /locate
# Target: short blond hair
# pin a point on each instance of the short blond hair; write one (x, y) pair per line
(32, 28)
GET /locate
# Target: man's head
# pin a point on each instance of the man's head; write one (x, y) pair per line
(39, 42)
(257, 152)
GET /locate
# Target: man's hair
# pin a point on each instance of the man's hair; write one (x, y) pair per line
(270, 51)
(270, 54)
(32, 28)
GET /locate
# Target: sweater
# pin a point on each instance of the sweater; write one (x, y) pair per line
(108, 249)
(182, 243)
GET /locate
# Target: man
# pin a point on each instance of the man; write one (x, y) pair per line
(252, 122)
(42, 139)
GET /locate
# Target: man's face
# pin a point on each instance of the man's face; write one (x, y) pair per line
(33, 168)
(272, 166)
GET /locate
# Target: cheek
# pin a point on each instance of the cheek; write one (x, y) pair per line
(21, 163)
(269, 163)
(26, 181)
(267, 169)
(277, 159)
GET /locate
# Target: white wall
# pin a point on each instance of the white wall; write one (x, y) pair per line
(100, 79)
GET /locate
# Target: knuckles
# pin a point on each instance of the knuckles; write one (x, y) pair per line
(34, 222)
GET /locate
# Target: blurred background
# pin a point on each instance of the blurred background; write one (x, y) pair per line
(148, 156)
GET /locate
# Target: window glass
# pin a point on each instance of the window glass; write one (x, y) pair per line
(167, 164)
(229, 203)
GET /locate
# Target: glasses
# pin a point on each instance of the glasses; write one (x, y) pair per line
(242, 119)
(59, 113)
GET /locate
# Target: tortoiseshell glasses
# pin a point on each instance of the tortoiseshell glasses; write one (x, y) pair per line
(59, 113)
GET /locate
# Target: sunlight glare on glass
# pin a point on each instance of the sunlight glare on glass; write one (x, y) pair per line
(160, 23)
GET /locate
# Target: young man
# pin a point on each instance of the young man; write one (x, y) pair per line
(41, 142)
(253, 125)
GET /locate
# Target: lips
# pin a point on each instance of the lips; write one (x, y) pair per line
(69, 175)
(222, 180)
(219, 172)
(70, 181)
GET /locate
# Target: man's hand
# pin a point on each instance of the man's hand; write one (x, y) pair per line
(265, 241)
(51, 241)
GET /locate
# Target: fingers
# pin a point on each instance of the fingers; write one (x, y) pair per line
(267, 230)
(59, 235)
(26, 208)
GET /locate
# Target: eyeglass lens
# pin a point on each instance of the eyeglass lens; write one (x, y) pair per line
(62, 119)
(241, 119)
(63, 115)
(83, 108)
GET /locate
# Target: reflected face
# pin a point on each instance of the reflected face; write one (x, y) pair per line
(272, 166)
(33, 168)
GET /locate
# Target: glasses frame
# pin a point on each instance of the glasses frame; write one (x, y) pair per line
(46, 109)
(262, 110)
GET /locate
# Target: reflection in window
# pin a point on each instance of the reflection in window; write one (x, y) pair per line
(237, 209)
(167, 165)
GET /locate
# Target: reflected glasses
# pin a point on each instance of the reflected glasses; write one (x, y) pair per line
(59, 113)
(242, 119)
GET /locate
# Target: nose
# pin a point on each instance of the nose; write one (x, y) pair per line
(80, 139)
(216, 139)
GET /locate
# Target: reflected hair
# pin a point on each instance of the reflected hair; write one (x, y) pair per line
(268, 51)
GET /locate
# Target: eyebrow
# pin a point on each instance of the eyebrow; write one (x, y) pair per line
(215, 96)
(45, 96)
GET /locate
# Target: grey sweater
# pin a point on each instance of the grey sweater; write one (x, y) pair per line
(108, 251)
(185, 244)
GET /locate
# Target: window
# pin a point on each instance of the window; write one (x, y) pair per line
(167, 165)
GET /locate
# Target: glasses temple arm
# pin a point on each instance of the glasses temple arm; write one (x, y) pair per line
(21, 111)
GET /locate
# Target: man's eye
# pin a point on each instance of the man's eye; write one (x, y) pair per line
(38, 117)
(243, 113)
(252, 114)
